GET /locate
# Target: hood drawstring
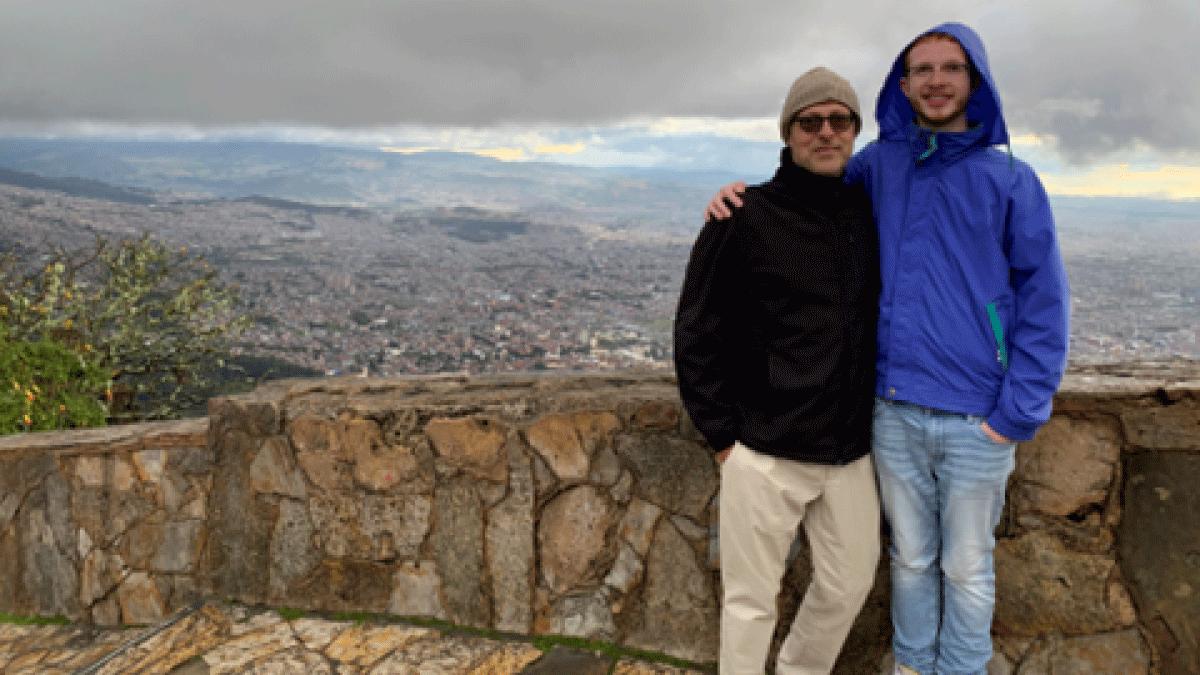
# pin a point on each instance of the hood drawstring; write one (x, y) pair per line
(929, 150)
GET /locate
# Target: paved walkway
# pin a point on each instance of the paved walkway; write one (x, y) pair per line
(217, 639)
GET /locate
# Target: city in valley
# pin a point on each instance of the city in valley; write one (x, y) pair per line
(424, 288)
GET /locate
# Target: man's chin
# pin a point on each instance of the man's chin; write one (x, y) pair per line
(831, 171)
(937, 120)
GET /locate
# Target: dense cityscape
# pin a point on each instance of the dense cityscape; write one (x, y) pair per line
(377, 292)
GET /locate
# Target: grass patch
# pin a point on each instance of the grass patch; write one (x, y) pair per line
(290, 614)
(615, 652)
(34, 620)
(356, 618)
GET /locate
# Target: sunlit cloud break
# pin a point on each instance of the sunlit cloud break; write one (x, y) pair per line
(1119, 180)
(561, 149)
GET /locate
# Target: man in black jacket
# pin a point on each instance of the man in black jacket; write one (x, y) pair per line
(775, 354)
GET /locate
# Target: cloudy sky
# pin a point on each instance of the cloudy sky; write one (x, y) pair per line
(1102, 96)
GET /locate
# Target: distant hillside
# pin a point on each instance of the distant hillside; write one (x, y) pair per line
(77, 187)
(335, 176)
(329, 179)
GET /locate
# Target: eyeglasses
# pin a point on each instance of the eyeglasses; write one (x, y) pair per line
(811, 124)
(925, 70)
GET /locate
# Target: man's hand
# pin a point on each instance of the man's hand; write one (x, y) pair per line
(717, 208)
(723, 455)
(991, 433)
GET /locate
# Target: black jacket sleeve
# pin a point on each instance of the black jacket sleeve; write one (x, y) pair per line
(704, 334)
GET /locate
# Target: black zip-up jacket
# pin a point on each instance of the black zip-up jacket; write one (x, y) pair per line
(775, 330)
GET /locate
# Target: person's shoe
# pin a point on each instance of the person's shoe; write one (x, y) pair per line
(904, 670)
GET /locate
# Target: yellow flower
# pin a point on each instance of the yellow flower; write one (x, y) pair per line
(28, 420)
(68, 324)
(16, 387)
(29, 395)
(62, 408)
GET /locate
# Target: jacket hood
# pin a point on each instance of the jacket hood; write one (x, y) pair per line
(895, 114)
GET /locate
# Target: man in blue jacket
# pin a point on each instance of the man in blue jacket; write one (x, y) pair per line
(972, 338)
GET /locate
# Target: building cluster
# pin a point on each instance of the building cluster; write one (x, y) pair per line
(415, 300)
(362, 291)
(1135, 305)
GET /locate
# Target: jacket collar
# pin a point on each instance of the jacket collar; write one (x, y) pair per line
(943, 147)
(794, 181)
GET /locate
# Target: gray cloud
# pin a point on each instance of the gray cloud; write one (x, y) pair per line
(1102, 77)
(1099, 77)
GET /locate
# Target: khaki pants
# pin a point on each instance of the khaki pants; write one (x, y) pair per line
(763, 502)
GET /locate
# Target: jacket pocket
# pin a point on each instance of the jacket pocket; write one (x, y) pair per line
(998, 333)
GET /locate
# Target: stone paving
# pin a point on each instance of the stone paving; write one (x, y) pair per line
(223, 639)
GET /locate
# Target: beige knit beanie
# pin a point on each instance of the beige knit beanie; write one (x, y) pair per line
(817, 86)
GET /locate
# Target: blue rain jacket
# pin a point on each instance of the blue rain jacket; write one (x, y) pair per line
(974, 306)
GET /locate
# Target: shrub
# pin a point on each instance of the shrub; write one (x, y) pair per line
(155, 318)
(45, 385)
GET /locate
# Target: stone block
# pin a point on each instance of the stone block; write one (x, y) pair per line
(586, 615)
(1172, 428)
(1121, 653)
(568, 442)
(657, 416)
(679, 610)
(1067, 468)
(417, 591)
(575, 538)
(471, 445)
(293, 553)
(101, 572)
(369, 526)
(140, 601)
(626, 572)
(238, 552)
(1042, 587)
(163, 546)
(343, 586)
(149, 464)
(254, 414)
(381, 467)
(1160, 547)
(49, 575)
(456, 542)
(92, 471)
(677, 475)
(606, 467)
(510, 545)
(274, 470)
(320, 453)
(638, 523)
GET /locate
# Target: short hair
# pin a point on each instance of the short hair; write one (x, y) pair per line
(976, 78)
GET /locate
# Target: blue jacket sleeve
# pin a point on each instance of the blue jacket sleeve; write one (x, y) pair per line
(1040, 334)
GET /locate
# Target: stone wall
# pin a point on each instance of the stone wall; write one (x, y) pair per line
(576, 505)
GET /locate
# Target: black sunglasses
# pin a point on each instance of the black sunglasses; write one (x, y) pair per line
(811, 124)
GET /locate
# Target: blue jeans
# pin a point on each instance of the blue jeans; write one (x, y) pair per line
(941, 482)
